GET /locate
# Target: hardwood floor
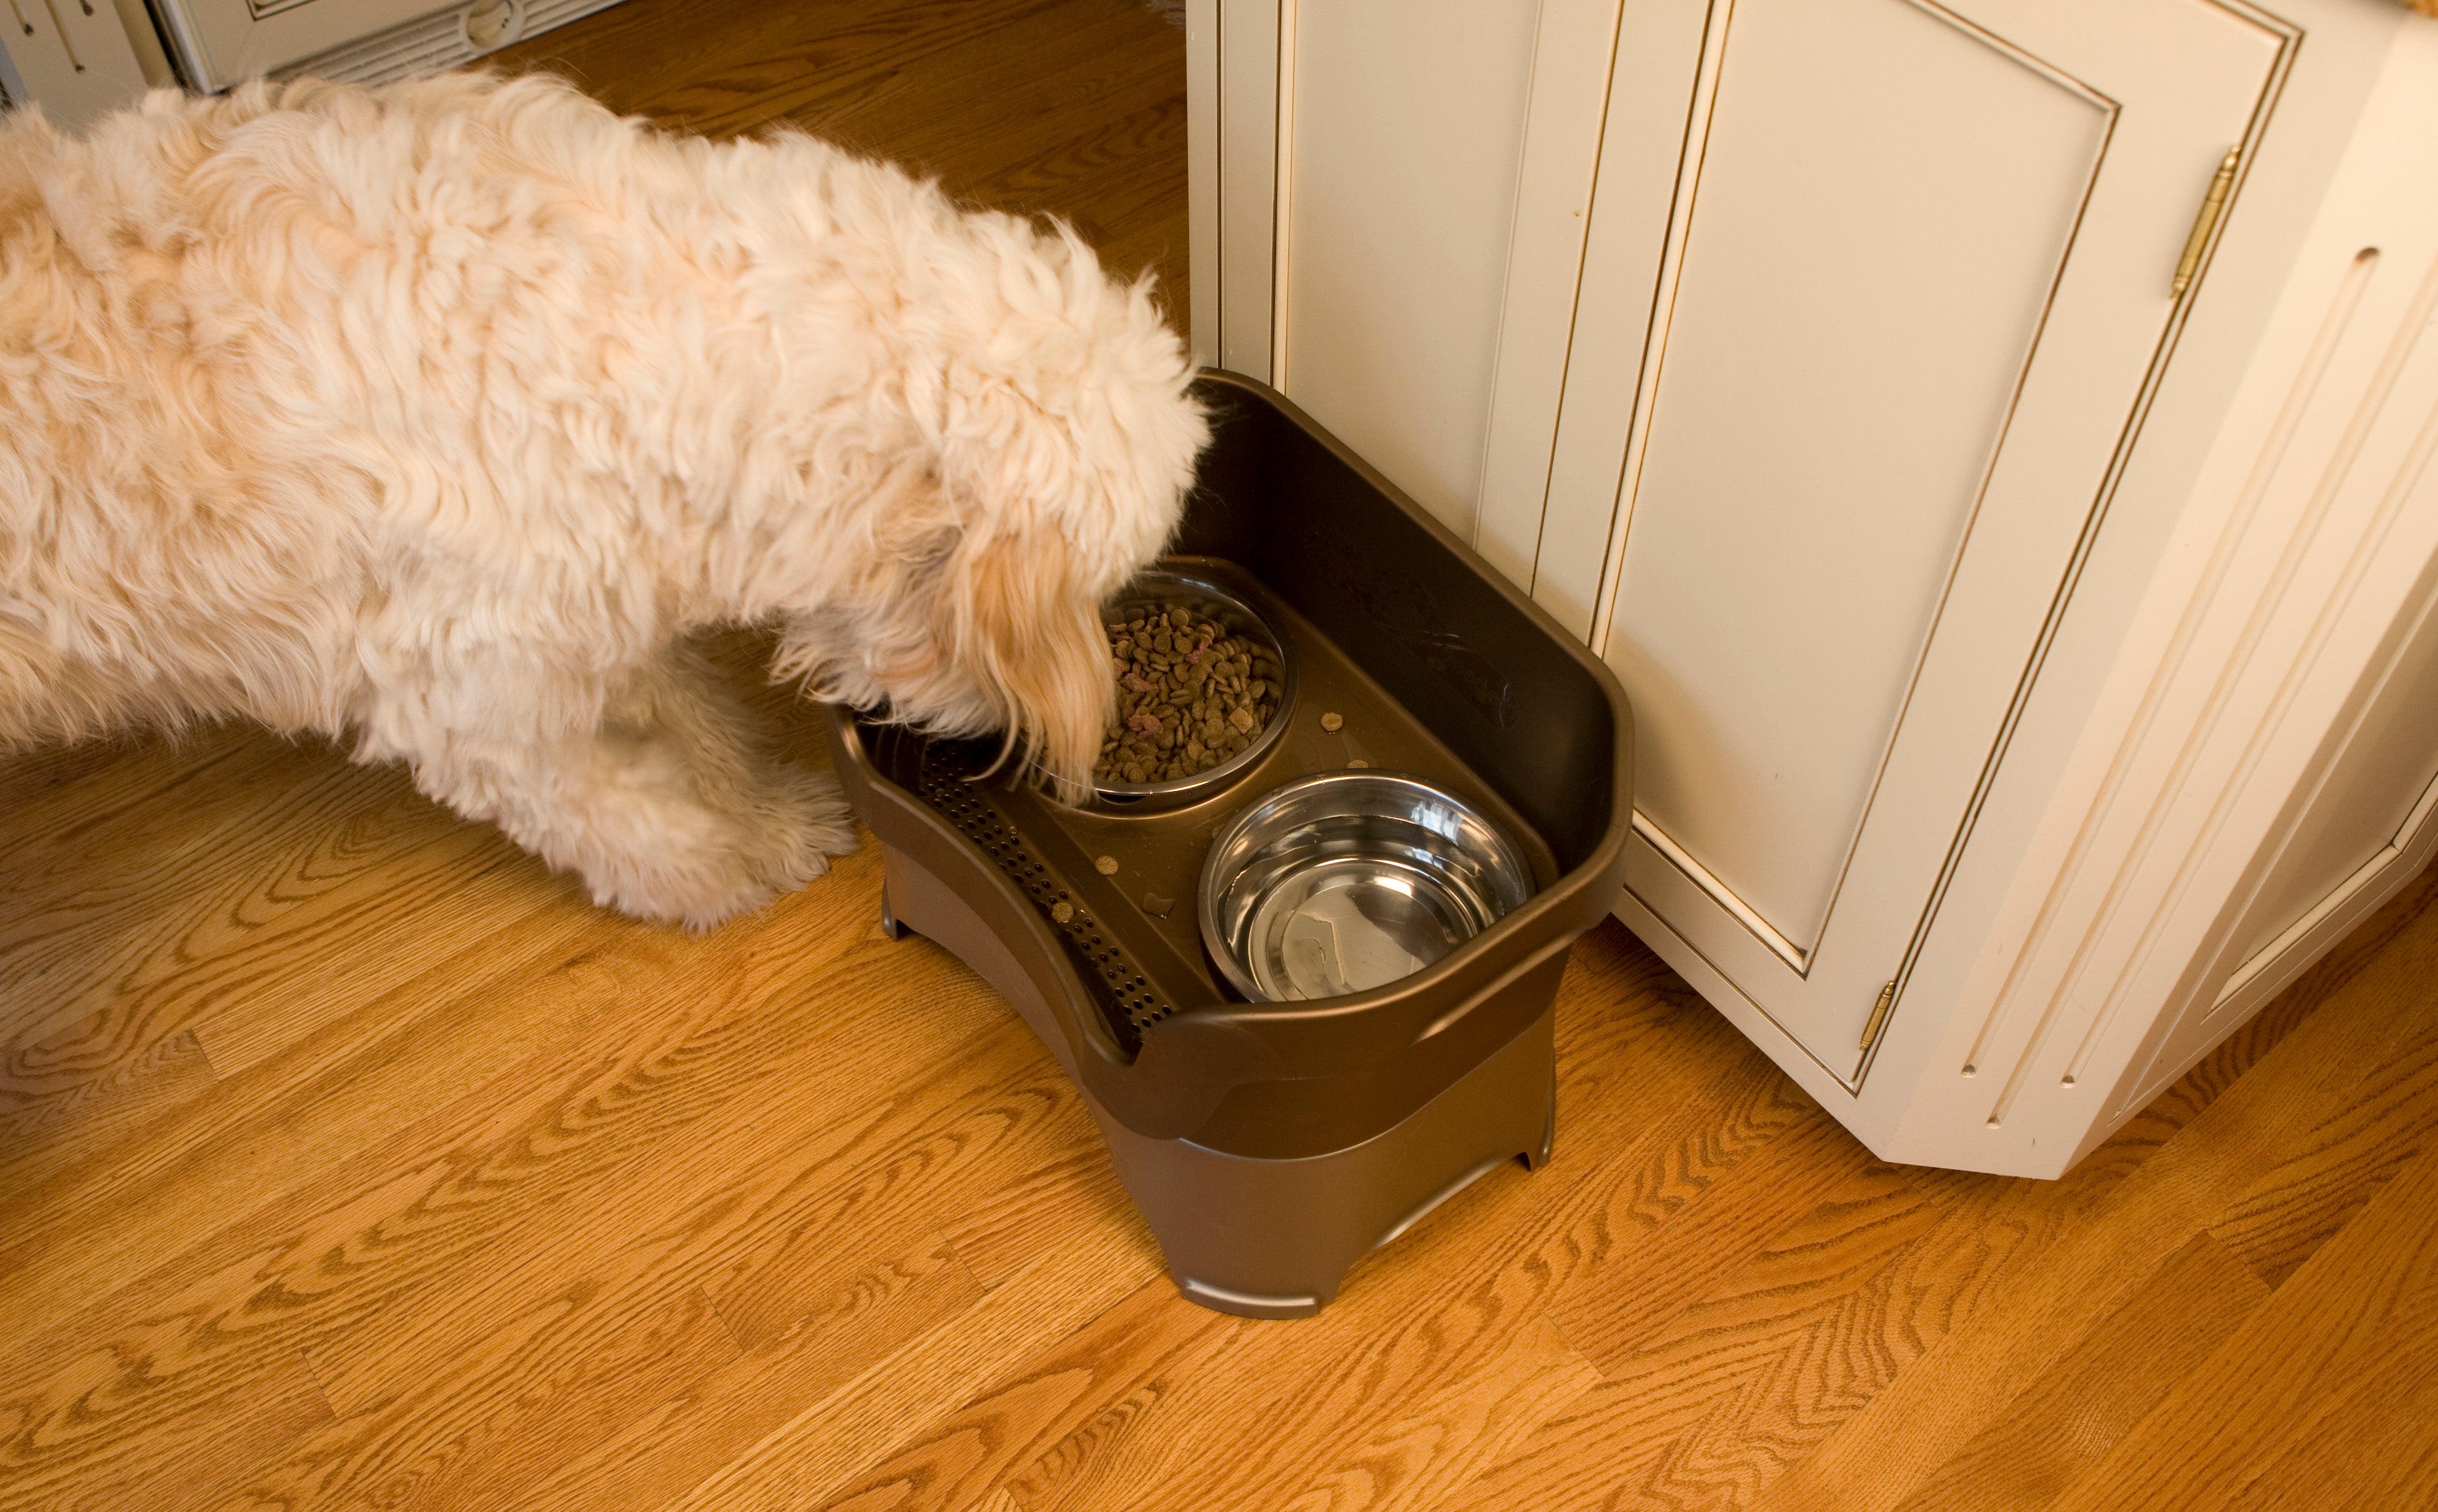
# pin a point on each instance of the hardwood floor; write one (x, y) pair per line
(348, 1159)
(1073, 108)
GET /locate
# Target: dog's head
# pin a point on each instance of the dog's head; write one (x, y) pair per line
(1063, 451)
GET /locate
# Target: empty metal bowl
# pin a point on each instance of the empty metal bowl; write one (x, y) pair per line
(1170, 588)
(1347, 881)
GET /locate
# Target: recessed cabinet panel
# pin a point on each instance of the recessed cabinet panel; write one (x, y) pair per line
(2387, 767)
(1918, 278)
(1396, 201)
(1884, 204)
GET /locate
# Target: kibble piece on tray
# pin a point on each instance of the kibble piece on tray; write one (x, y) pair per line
(1190, 696)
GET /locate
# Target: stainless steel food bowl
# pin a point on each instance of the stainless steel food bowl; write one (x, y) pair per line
(1169, 588)
(1347, 881)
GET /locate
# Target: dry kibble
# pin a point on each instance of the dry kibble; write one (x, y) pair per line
(1333, 722)
(1190, 696)
(1062, 912)
(1107, 866)
(1358, 764)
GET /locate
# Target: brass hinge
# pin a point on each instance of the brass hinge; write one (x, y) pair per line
(2213, 205)
(1879, 1013)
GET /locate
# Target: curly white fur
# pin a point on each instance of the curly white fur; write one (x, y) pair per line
(437, 415)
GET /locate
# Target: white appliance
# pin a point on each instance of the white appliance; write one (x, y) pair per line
(80, 58)
(220, 41)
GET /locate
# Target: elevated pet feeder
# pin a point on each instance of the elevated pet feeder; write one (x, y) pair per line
(1271, 1144)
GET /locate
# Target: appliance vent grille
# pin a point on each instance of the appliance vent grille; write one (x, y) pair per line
(433, 44)
(541, 15)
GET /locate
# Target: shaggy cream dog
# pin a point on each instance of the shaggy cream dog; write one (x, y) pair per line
(437, 416)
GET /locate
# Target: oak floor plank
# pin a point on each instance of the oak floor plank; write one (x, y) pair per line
(1665, 1419)
(1343, 1408)
(1132, 1439)
(2280, 1223)
(720, 67)
(99, 1224)
(1608, 1315)
(48, 1459)
(2373, 1451)
(314, 1267)
(37, 776)
(41, 1138)
(1013, 1220)
(673, 1129)
(2356, 1326)
(1073, 108)
(121, 948)
(1929, 1413)
(808, 1459)
(1137, 1348)
(527, 1404)
(696, 1215)
(1803, 1337)
(927, 1171)
(2084, 1405)
(662, 1453)
(1415, 1457)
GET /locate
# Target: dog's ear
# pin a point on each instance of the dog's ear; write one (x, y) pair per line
(962, 623)
(1024, 624)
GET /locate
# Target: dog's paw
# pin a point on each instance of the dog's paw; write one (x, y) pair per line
(729, 863)
(799, 826)
(700, 890)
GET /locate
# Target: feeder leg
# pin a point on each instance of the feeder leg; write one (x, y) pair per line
(1273, 1239)
(1535, 1159)
(889, 925)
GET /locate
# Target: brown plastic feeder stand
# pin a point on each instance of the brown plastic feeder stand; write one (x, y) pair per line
(1271, 1145)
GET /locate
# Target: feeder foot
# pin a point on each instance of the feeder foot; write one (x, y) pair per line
(1535, 1159)
(889, 925)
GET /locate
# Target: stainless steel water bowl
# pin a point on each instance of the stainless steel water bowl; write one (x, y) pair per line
(1348, 881)
(1164, 588)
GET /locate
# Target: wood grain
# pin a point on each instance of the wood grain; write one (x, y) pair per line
(2059, 1426)
(2356, 1324)
(1072, 108)
(348, 1159)
(2047, 1294)
(809, 1458)
(728, 1410)
(2278, 1225)
(521, 1405)
(1138, 1351)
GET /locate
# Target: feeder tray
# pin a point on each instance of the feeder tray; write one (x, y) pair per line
(1271, 1144)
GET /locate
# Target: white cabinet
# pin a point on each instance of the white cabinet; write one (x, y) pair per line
(1854, 378)
(79, 60)
(1923, 277)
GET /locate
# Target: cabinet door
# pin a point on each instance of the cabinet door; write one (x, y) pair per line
(1818, 495)
(74, 62)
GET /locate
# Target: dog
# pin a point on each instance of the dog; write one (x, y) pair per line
(437, 418)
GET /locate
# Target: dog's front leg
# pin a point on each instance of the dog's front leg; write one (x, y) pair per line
(660, 806)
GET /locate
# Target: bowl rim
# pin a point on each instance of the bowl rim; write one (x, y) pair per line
(1206, 900)
(1131, 796)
